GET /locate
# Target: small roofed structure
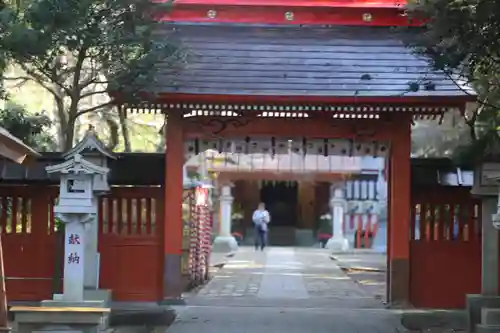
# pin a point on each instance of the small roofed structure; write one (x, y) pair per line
(15, 149)
(90, 145)
(95, 152)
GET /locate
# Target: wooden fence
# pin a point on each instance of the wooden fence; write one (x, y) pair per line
(129, 242)
(445, 247)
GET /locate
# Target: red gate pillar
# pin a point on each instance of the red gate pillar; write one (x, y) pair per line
(172, 228)
(398, 250)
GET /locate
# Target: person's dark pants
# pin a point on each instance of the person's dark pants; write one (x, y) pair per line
(260, 238)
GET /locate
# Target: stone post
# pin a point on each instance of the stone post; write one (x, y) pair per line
(224, 242)
(489, 244)
(338, 243)
(226, 207)
(380, 241)
(74, 262)
(91, 280)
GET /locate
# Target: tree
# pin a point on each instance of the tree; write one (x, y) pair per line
(461, 39)
(32, 130)
(87, 53)
(431, 138)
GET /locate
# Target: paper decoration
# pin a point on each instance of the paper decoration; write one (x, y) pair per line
(286, 154)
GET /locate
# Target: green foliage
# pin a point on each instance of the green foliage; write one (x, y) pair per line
(461, 39)
(32, 130)
(460, 34)
(80, 50)
(324, 225)
(58, 224)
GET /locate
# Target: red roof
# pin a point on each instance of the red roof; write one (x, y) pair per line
(299, 3)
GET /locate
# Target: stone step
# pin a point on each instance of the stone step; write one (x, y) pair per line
(490, 316)
(481, 328)
(282, 236)
(278, 236)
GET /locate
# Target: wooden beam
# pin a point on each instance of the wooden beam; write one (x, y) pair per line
(361, 129)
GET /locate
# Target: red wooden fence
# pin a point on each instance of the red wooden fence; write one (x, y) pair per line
(129, 243)
(28, 240)
(445, 248)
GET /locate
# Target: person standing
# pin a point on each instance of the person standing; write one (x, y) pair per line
(261, 219)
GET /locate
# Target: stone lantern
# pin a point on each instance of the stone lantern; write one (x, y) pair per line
(77, 209)
(487, 187)
(83, 177)
(338, 205)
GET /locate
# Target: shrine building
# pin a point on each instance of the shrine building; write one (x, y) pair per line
(295, 189)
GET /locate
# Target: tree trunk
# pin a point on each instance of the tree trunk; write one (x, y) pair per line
(114, 132)
(122, 114)
(62, 123)
(163, 134)
(69, 135)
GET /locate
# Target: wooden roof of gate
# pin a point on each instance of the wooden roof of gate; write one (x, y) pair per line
(342, 62)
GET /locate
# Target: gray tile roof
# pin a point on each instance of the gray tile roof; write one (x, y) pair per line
(297, 61)
(127, 169)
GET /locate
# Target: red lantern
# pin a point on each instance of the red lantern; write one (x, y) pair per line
(201, 196)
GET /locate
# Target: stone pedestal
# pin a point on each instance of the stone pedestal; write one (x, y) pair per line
(70, 310)
(224, 242)
(91, 298)
(337, 243)
(65, 319)
(475, 304)
(75, 293)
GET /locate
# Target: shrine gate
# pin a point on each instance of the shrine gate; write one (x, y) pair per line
(330, 75)
(335, 74)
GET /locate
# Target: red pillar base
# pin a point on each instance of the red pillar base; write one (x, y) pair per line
(173, 284)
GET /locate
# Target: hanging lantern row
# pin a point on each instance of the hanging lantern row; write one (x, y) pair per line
(277, 146)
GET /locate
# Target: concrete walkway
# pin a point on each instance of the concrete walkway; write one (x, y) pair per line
(283, 290)
(362, 260)
(365, 268)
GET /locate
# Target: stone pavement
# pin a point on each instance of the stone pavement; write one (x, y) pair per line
(283, 290)
(366, 268)
(362, 260)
